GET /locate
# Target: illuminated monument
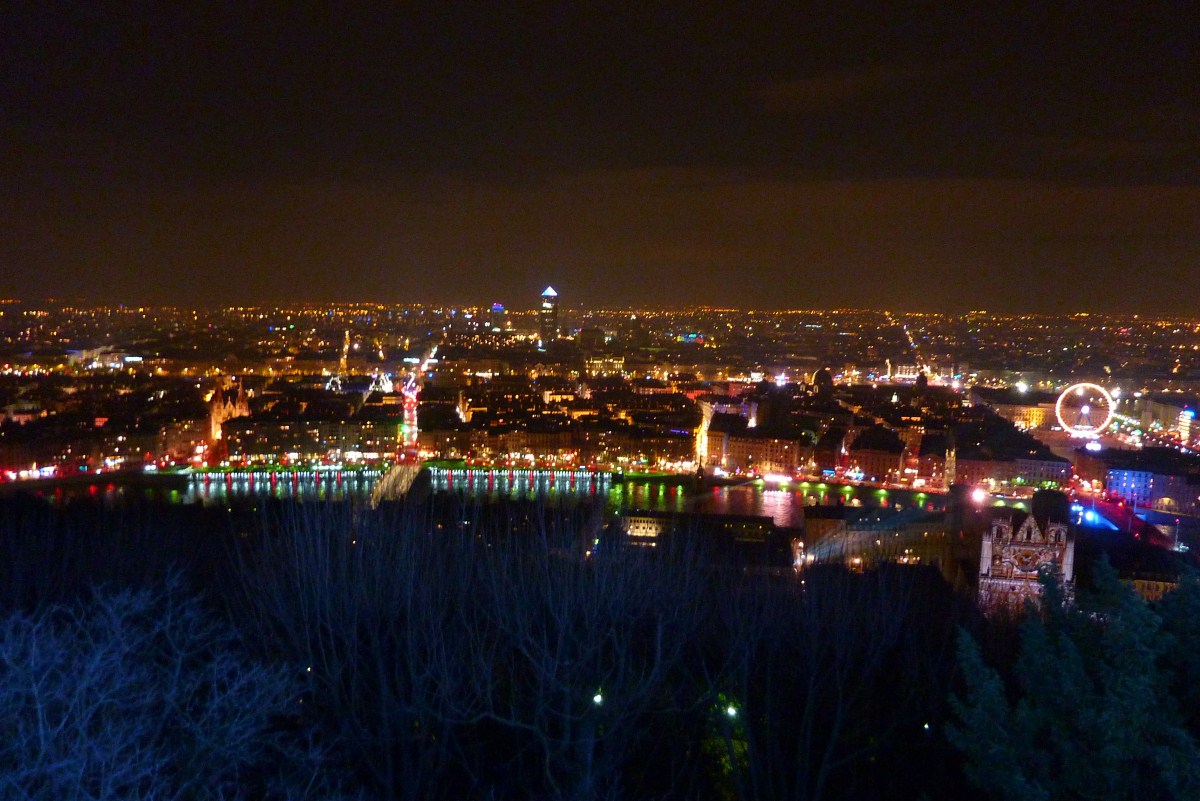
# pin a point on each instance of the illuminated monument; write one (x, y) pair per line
(222, 408)
(548, 318)
(1017, 550)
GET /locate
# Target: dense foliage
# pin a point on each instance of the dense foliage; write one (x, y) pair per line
(1099, 703)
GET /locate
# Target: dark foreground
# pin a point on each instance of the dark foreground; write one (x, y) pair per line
(432, 650)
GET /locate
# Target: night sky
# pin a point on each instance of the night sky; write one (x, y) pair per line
(795, 155)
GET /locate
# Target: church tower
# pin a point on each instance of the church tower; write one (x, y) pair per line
(222, 408)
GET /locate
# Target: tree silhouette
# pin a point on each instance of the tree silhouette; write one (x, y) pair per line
(1089, 715)
(141, 695)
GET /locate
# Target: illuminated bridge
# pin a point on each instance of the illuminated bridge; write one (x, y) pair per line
(519, 480)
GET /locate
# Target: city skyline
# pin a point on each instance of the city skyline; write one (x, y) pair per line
(723, 401)
(756, 157)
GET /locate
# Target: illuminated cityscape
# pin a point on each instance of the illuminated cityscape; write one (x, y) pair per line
(914, 401)
(795, 440)
(579, 402)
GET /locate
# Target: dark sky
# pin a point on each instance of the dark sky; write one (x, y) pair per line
(946, 156)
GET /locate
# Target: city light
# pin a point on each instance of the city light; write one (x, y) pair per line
(362, 413)
(869, 400)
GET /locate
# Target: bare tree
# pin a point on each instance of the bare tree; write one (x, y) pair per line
(584, 651)
(140, 695)
(821, 675)
(456, 654)
(377, 607)
(463, 654)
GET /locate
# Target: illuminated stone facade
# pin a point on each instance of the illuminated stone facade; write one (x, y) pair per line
(1015, 554)
(222, 408)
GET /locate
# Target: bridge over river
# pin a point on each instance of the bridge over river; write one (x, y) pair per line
(619, 492)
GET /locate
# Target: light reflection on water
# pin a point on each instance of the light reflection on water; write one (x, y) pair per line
(327, 486)
(784, 506)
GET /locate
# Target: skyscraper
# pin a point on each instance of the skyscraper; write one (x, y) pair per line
(548, 318)
(499, 318)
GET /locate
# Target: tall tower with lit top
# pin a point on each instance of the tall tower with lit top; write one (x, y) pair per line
(548, 318)
(499, 318)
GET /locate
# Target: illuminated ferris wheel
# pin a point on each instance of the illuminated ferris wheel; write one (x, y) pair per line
(1084, 410)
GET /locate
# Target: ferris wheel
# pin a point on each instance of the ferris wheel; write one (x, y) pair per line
(1084, 409)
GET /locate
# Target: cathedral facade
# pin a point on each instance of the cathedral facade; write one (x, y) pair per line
(222, 407)
(1017, 551)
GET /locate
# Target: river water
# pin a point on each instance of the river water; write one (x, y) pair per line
(785, 505)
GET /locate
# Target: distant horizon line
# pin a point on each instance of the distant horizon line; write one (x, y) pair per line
(485, 306)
